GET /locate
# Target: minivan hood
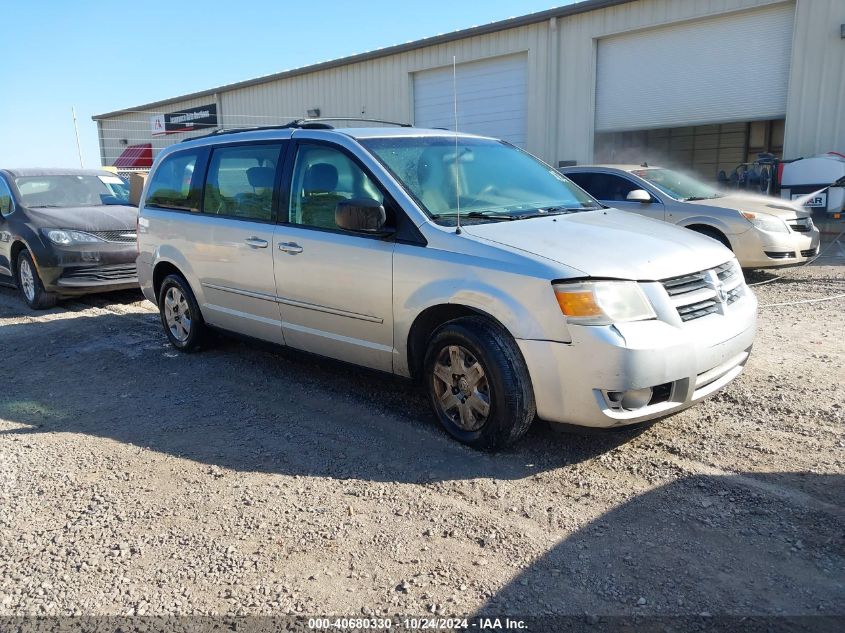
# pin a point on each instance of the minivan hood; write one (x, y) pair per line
(783, 209)
(112, 217)
(609, 243)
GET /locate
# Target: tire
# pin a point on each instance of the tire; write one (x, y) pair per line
(30, 285)
(715, 235)
(180, 314)
(487, 410)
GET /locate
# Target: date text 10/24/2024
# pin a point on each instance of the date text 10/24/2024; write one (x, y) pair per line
(417, 624)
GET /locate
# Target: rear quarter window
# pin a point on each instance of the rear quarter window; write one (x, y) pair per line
(175, 184)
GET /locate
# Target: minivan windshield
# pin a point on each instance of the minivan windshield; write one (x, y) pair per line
(678, 185)
(486, 179)
(71, 191)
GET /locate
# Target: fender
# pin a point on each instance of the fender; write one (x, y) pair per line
(491, 300)
(713, 222)
(17, 239)
(164, 253)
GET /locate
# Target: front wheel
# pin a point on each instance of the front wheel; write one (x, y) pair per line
(180, 314)
(478, 383)
(30, 285)
(714, 235)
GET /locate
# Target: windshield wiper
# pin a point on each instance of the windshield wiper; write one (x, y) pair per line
(696, 198)
(501, 216)
(544, 211)
(474, 215)
(488, 216)
(45, 206)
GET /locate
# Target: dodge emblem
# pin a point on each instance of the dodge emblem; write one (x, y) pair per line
(712, 281)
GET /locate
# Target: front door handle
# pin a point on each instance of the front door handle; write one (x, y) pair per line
(256, 242)
(291, 248)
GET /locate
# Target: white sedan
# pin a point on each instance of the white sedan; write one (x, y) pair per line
(763, 232)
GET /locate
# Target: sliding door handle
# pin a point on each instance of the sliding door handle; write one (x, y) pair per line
(256, 242)
(291, 248)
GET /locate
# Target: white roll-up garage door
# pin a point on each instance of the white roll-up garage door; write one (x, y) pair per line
(728, 68)
(492, 98)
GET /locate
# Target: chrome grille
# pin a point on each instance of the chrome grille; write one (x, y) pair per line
(694, 295)
(698, 309)
(801, 225)
(116, 236)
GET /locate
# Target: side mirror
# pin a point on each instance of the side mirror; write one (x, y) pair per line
(361, 215)
(638, 195)
(5, 206)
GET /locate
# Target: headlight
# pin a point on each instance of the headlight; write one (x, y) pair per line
(766, 222)
(603, 302)
(66, 236)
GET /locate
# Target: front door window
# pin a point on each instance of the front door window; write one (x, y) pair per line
(322, 177)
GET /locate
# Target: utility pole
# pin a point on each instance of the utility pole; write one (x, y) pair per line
(76, 129)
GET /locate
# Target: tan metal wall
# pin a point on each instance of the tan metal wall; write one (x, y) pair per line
(134, 127)
(815, 107)
(561, 79)
(382, 88)
(561, 75)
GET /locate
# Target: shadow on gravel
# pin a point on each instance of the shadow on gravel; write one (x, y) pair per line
(239, 406)
(13, 304)
(757, 544)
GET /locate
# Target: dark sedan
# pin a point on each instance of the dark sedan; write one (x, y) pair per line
(65, 232)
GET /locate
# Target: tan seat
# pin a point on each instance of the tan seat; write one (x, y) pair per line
(320, 196)
(259, 203)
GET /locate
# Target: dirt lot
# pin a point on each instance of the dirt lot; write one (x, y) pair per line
(242, 480)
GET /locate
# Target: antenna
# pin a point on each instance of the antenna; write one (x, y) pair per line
(457, 161)
(76, 129)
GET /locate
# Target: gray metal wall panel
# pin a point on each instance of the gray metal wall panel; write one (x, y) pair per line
(815, 108)
(645, 77)
(578, 36)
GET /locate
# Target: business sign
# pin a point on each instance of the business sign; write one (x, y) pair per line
(199, 118)
(817, 201)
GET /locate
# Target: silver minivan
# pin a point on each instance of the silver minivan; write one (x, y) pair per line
(458, 260)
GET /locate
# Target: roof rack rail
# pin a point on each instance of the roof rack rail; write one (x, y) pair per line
(300, 124)
(352, 118)
(236, 130)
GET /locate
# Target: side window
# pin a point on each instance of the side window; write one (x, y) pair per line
(609, 187)
(583, 179)
(240, 181)
(322, 177)
(174, 184)
(6, 205)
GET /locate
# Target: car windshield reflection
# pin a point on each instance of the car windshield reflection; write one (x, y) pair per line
(69, 191)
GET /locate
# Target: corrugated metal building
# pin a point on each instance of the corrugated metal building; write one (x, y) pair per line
(704, 85)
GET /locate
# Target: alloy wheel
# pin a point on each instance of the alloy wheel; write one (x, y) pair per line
(27, 280)
(177, 314)
(461, 388)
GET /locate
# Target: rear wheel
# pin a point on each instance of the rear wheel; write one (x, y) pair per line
(180, 314)
(30, 285)
(478, 383)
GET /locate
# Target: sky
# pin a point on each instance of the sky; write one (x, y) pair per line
(98, 57)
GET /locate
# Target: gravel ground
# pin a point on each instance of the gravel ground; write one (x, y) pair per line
(244, 480)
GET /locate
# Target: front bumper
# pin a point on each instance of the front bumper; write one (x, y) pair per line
(761, 249)
(81, 269)
(574, 382)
